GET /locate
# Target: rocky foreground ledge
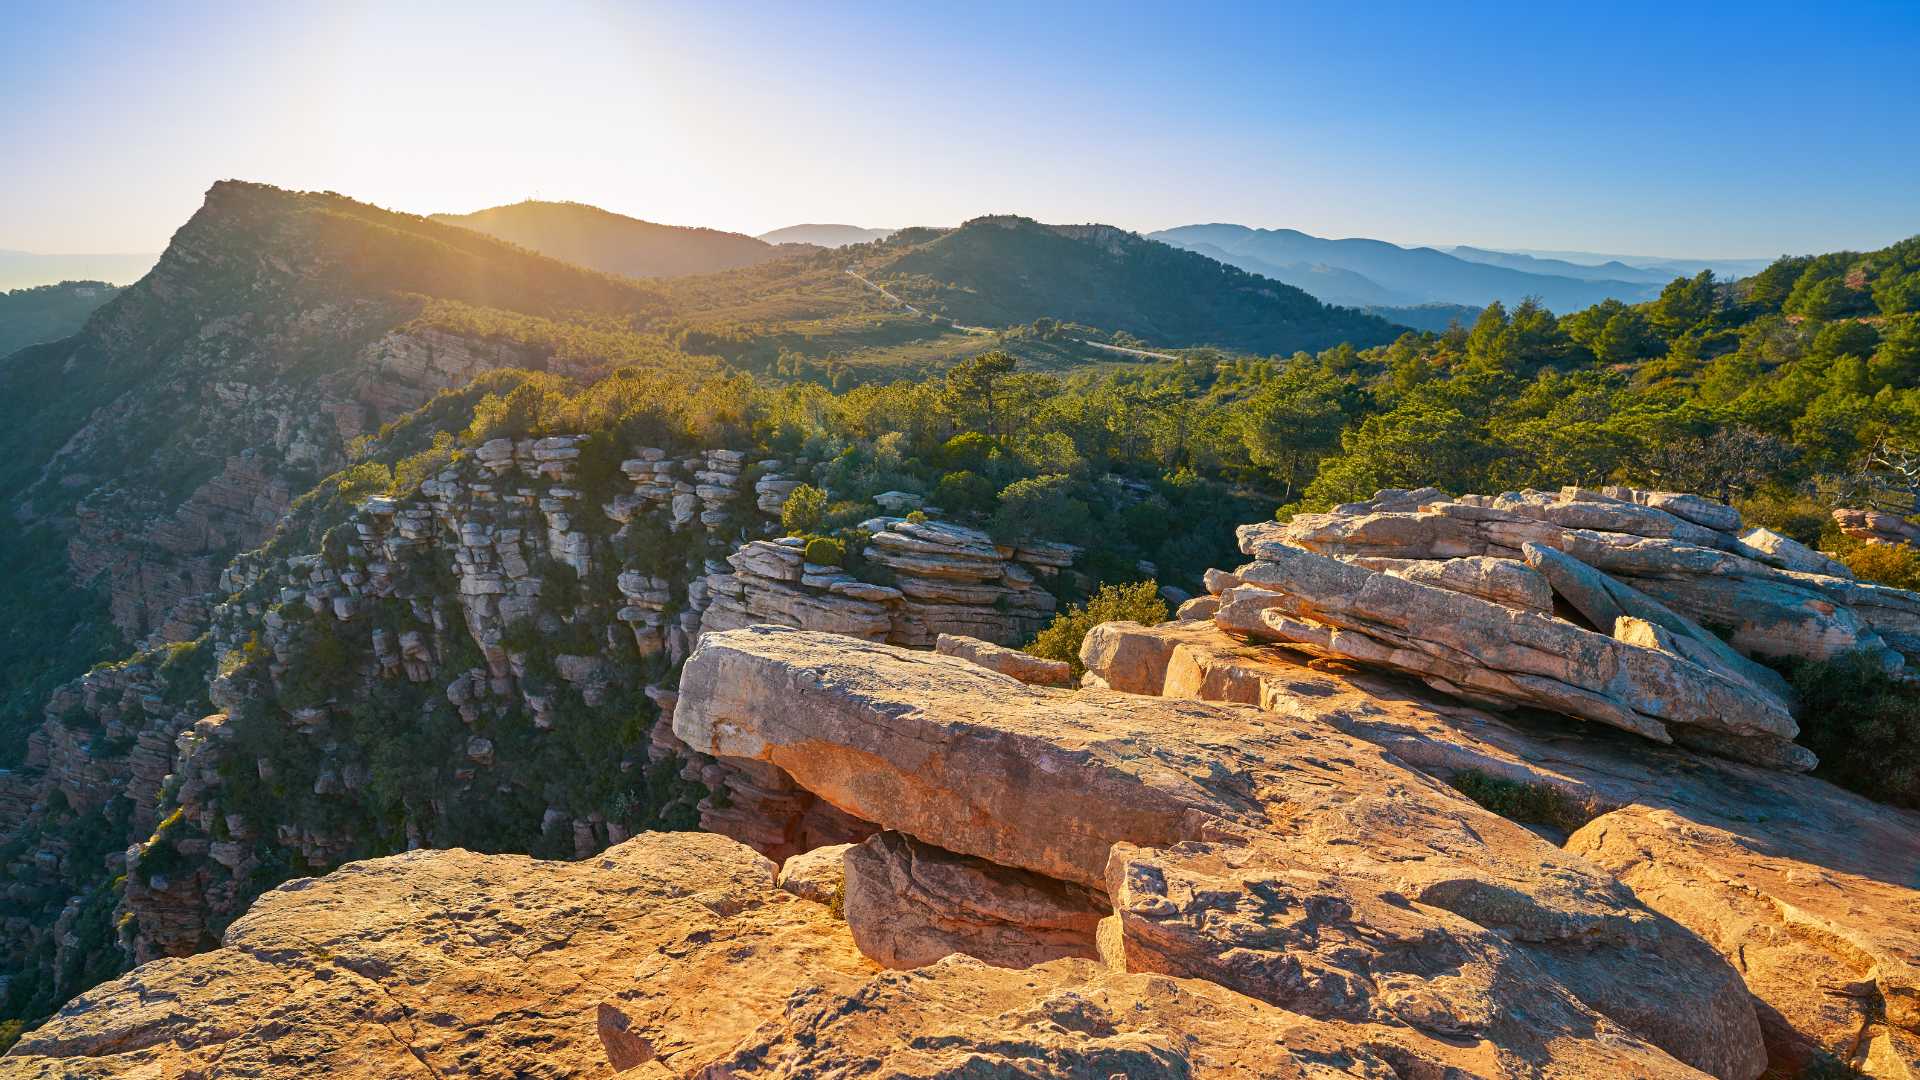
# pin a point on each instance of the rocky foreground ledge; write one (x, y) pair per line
(1431, 788)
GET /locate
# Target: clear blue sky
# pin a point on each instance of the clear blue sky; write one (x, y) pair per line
(1746, 129)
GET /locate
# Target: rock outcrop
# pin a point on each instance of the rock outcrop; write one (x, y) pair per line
(1809, 891)
(1877, 526)
(1208, 828)
(478, 662)
(941, 579)
(909, 904)
(1658, 607)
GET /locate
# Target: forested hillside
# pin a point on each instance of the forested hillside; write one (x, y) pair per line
(48, 312)
(997, 271)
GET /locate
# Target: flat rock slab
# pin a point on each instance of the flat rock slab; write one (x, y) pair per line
(981, 764)
(441, 963)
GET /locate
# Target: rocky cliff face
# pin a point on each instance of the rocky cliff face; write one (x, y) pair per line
(173, 430)
(477, 664)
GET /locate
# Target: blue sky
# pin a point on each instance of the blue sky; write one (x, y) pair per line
(1746, 129)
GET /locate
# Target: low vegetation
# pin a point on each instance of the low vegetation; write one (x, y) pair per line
(1864, 724)
(1526, 802)
(1138, 602)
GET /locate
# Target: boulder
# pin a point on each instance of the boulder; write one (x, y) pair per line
(1028, 669)
(1502, 581)
(1790, 554)
(1877, 526)
(1602, 601)
(908, 904)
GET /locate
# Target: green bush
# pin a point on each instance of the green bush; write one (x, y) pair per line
(826, 551)
(1864, 724)
(1888, 564)
(1042, 507)
(964, 492)
(1139, 602)
(802, 511)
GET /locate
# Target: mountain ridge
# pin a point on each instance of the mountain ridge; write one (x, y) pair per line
(825, 235)
(1411, 276)
(615, 243)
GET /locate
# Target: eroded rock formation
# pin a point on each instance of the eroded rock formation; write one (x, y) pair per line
(1809, 891)
(1268, 856)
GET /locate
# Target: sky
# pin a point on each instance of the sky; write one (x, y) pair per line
(1701, 129)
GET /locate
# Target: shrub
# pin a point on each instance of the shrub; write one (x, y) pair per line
(1139, 602)
(1889, 564)
(802, 511)
(1864, 724)
(964, 492)
(826, 551)
(1042, 507)
(968, 451)
(1524, 802)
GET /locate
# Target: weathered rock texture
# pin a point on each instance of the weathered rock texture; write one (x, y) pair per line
(667, 956)
(910, 904)
(1028, 669)
(1877, 526)
(946, 579)
(1812, 893)
(1660, 604)
(1211, 828)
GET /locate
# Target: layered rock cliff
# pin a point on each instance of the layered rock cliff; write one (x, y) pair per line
(479, 663)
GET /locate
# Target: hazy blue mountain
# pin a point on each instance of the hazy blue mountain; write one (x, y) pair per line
(25, 269)
(1668, 268)
(827, 236)
(1610, 270)
(1328, 284)
(1408, 276)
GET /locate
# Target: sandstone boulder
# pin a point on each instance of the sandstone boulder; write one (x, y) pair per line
(818, 875)
(437, 963)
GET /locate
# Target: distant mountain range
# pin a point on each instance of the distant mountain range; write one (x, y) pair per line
(617, 244)
(25, 269)
(1376, 274)
(1670, 267)
(826, 236)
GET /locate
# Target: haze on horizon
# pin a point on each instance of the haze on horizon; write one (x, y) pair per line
(1713, 131)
